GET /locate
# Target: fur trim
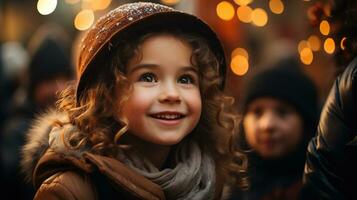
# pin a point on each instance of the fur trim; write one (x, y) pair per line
(37, 140)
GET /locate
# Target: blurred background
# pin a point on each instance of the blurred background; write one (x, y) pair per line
(255, 33)
(39, 38)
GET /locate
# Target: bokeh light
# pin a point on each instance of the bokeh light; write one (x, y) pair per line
(46, 7)
(84, 20)
(276, 6)
(241, 52)
(100, 4)
(243, 2)
(225, 10)
(329, 45)
(314, 43)
(259, 17)
(239, 65)
(170, 2)
(72, 1)
(303, 44)
(306, 56)
(343, 43)
(324, 27)
(244, 14)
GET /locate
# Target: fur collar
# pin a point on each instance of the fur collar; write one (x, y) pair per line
(37, 140)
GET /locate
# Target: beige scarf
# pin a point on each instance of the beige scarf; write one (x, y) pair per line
(193, 176)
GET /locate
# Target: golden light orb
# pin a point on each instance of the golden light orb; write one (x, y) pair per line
(239, 65)
(46, 7)
(329, 45)
(276, 6)
(303, 44)
(225, 10)
(244, 14)
(243, 2)
(241, 52)
(306, 56)
(324, 27)
(170, 2)
(259, 17)
(314, 42)
(84, 20)
(343, 43)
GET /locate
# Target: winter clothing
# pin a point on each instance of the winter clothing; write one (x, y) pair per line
(330, 170)
(59, 172)
(286, 82)
(279, 178)
(134, 17)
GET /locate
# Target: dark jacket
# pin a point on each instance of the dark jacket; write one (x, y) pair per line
(331, 166)
(61, 173)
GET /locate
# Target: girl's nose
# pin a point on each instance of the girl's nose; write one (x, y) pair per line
(169, 93)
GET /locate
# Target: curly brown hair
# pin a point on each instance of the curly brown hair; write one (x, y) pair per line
(215, 133)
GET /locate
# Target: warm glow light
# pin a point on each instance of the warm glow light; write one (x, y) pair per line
(343, 43)
(314, 42)
(100, 4)
(243, 2)
(239, 65)
(225, 10)
(259, 17)
(46, 7)
(276, 6)
(72, 1)
(306, 56)
(303, 44)
(170, 2)
(244, 14)
(84, 20)
(324, 27)
(329, 45)
(241, 52)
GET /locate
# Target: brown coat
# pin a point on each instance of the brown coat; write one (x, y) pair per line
(58, 173)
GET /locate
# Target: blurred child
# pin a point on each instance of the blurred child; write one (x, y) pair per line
(147, 119)
(279, 109)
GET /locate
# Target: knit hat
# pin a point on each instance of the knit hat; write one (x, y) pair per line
(137, 16)
(286, 82)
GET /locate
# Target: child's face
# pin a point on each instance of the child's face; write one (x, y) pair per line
(165, 103)
(273, 128)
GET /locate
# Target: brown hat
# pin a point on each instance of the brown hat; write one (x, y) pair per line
(134, 16)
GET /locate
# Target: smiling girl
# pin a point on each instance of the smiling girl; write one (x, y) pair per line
(147, 118)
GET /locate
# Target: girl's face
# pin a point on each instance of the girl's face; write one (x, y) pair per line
(273, 128)
(165, 103)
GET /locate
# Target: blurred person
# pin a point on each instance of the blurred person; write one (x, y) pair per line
(280, 111)
(331, 165)
(48, 72)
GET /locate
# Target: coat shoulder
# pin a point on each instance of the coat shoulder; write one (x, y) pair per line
(67, 185)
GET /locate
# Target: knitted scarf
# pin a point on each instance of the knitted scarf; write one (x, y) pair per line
(193, 175)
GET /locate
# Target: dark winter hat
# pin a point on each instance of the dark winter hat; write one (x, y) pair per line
(48, 61)
(133, 16)
(285, 82)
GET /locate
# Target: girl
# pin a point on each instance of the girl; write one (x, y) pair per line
(279, 117)
(147, 119)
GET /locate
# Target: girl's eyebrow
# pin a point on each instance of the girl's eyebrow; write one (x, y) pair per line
(153, 66)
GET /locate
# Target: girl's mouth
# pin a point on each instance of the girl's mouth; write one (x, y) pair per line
(167, 115)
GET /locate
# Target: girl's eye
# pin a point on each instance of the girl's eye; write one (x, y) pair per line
(186, 79)
(148, 77)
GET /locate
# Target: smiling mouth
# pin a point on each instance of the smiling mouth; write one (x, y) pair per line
(168, 116)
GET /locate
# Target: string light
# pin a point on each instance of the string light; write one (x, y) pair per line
(329, 45)
(244, 14)
(46, 7)
(225, 10)
(259, 17)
